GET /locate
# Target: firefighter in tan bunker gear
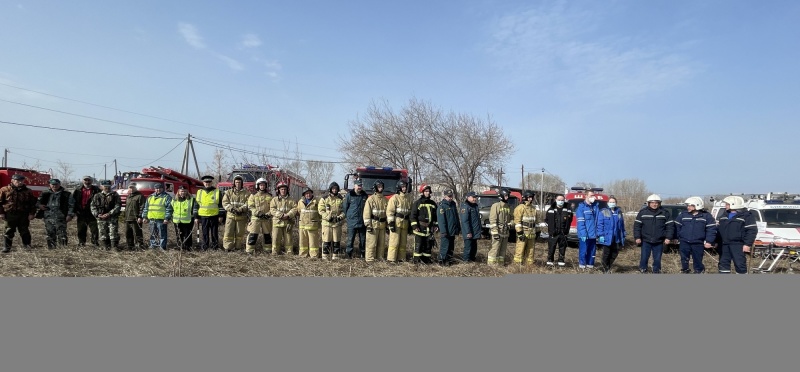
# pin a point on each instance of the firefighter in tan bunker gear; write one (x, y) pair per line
(500, 220)
(375, 221)
(283, 212)
(332, 214)
(525, 226)
(308, 228)
(397, 213)
(235, 203)
(260, 218)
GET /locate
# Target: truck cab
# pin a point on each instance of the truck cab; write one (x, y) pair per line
(371, 174)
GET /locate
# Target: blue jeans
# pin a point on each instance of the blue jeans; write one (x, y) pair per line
(654, 248)
(586, 251)
(158, 233)
(695, 251)
(351, 237)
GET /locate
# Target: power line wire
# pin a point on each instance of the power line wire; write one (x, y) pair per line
(86, 131)
(231, 148)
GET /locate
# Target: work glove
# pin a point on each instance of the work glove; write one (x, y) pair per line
(520, 237)
(583, 238)
(369, 229)
(339, 218)
(496, 237)
(392, 228)
(601, 239)
(332, 219)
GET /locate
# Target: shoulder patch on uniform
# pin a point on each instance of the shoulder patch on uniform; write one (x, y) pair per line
(463, 210)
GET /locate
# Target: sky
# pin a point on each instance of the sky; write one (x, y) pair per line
(692, 97)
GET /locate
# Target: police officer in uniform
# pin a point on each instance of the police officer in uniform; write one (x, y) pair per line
(260, 217)
(184, 210)
(397, 213)
(57, 205)
(17, 209)
(209, 203)
(105, 208)
(308, 228)
(332, 214)
(235, 203)
(424, 225)
(500, 219)
(283, 213)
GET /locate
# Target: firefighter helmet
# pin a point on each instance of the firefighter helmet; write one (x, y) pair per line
(504, 193)
(262, 180)
(696, 201)
(332, 185)
(654, 197)
(376, 184)
(736, 202)
(399, 187)
(282, 184)
(238, 177)
(424, 187)
(526, 195)
(308, 190)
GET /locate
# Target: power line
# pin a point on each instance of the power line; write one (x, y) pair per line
(231, 148)
(73, 153)
(150, 116)
(162, 156)
(86, 131)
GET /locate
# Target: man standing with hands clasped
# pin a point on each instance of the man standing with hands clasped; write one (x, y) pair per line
(652, 229)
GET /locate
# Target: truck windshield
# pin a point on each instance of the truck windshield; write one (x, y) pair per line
(247, 177)
(145, 185)
(781, 217)
(389, 184)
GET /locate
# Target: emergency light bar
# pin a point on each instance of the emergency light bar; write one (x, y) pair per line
(372, 167)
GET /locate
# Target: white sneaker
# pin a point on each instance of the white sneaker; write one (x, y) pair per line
(549, 263)
(590, 267)
(582, 267)
(561, 264)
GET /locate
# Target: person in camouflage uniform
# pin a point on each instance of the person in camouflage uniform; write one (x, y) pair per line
(58, 207)
(17, 209)
(105, 207)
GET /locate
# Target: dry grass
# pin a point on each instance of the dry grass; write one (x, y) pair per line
(74, 261)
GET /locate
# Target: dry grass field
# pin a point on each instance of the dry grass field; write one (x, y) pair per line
(74, 261)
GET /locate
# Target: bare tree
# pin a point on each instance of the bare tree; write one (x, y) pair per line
(631, 193)
(64, 171)
(318, 174)
(456, 150)
(587, 185)
(219, 164)
(551, 183)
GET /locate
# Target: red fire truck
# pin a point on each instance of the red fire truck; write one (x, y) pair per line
(35, 180)
(148, 177)
(371, 174)
(574, 198)
(273, 174)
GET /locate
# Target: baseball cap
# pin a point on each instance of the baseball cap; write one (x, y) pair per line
(55, 181)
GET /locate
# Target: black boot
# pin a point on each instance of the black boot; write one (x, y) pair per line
(6, 249)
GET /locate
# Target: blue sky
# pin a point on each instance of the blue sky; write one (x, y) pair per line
(693, 97)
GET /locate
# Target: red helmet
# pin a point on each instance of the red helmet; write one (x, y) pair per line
(281, 184)
(423, 187)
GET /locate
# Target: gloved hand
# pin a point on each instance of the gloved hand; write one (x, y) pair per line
(521, 237)
(417, 229)
(583, 238)
(332, 219)
(392, 228)
(601, 239)
(339, 218)
(496, 237)
(369, 229)
(435, 229)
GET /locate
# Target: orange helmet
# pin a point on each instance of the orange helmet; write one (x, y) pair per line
(281, 184)
(423, 187)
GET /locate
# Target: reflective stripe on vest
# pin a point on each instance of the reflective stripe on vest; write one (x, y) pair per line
(156, 210)
(182, 210)
(208, 203)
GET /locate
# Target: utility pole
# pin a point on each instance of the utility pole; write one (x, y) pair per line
(541, 192)
(105, 173)
(5, 158)
(523, 177)
(500, 177)
(185, 163)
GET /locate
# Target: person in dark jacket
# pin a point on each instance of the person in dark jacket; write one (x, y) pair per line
(471, 226)
(737, 231)
(424, 224)
(586, 213)
(449, 227)
(558, 219)
(652, 229)
(57, 205)
(610, 233)
(353, 207)
(134, 205)
(17, 209)
(83, 211)
(696, 230)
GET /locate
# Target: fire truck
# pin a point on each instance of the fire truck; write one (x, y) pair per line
(35, 180)
(149, 177)
(273, 174)
(371, 174)
(576, 196)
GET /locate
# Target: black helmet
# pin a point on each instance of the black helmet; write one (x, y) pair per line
(238, 177)
(400, 185)
(527, 194)
(504, 193)
(332, 185)
(375, 185)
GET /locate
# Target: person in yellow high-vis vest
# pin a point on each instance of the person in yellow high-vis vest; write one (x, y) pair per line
(235, 203)
(260, 218)
(158, 212)
(209, 203)
(332, 214)
(398, 211)
(184, 211)
(308, 228)
(283, 213)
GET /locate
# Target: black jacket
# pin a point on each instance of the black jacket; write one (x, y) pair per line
(63, 203)
(558, 219)
(653, 225)
(740, 229)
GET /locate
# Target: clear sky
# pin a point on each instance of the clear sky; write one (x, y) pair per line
(693, 97)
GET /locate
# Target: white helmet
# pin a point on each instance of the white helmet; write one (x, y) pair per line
(696, 201)
(654, 197)
(262, 180)
(736, 202)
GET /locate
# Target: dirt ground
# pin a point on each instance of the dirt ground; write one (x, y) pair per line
(74, 261)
